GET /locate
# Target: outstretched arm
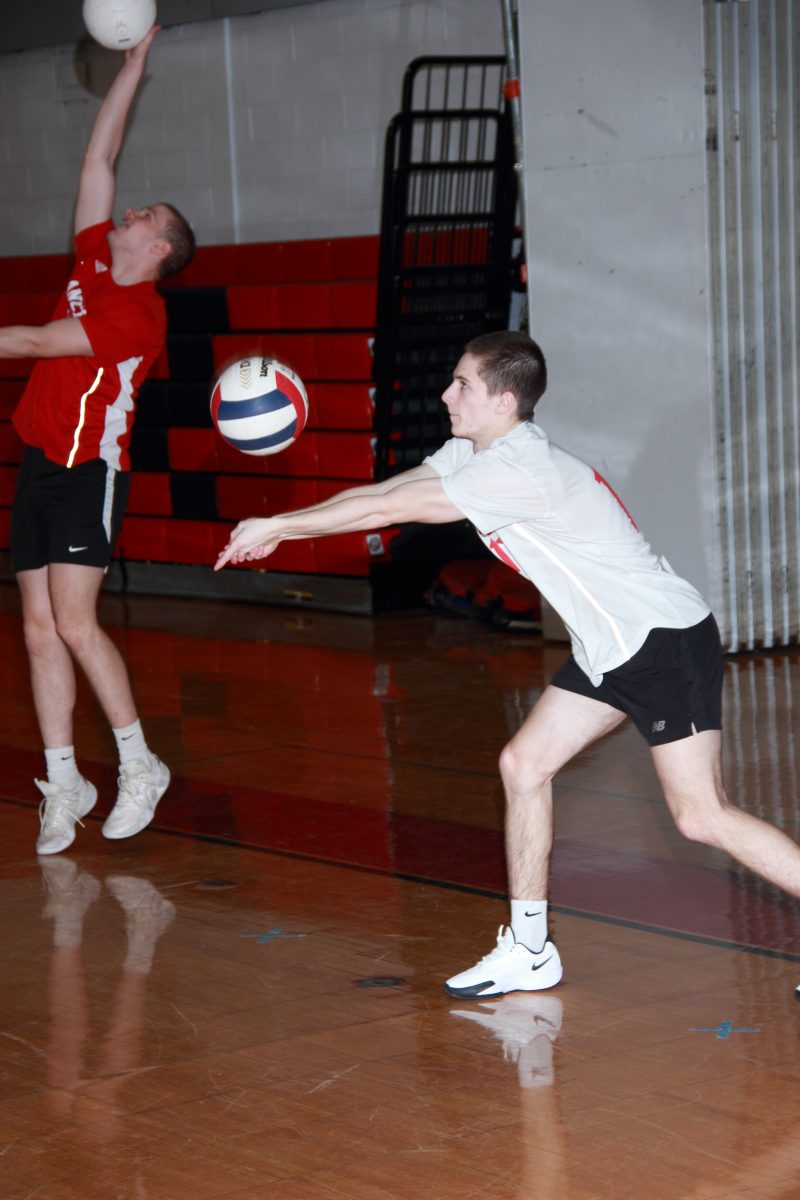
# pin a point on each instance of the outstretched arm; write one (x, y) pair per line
(58, 339)
(97, 182)
(420, 499)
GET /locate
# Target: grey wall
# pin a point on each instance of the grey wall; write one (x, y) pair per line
(52, 22)
(260, 128)
(615, 180)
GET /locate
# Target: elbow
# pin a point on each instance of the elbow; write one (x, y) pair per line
(33, 346)
(380, 518)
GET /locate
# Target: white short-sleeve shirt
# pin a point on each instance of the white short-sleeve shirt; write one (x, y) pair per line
(554, 519)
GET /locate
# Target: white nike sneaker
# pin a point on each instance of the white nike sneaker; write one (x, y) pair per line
(142, 783)
(510, 967)
(527, 1027)
(58, 812)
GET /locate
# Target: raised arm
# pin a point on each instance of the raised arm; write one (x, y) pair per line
(97, 182)
(421, 498)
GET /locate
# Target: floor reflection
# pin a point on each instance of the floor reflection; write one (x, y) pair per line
(76, 1056)
(527, 1025)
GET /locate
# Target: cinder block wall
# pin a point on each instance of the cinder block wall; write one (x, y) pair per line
(260, 128)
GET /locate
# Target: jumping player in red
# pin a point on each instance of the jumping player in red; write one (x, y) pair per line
(644, 643)
(75, 418)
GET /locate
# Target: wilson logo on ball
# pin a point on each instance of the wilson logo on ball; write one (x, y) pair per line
(259, 406)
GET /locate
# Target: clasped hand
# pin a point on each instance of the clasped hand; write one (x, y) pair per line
(251, 539)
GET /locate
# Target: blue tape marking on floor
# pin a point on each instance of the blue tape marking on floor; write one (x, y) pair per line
(723, 1030)
(273, 933)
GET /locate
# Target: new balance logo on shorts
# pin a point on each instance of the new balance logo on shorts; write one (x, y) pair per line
(658, 726)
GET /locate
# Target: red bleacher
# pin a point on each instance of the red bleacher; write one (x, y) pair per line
(311, 304)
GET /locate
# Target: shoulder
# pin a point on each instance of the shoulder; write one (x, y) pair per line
(453, 455)
(523, 440)
(94, 240)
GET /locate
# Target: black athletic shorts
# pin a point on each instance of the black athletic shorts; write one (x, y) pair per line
(671, 688)
(66, 514)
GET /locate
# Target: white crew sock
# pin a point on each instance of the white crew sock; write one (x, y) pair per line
(61, 767)
(529, 923)
(130, 743)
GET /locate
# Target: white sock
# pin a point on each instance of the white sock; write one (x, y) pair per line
(529, 923)
(61, 766)
(130, 742)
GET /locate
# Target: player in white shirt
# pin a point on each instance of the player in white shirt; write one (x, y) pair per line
(644, 643)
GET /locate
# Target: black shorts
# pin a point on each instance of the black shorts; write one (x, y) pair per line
(66, 514)
(671, 688)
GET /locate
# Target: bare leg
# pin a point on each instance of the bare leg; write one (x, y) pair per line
(690, 773)
(559, 726)
(52, 672)
(59, 607)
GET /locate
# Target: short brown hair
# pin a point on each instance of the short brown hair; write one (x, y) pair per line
(510, 361)
(178, 233)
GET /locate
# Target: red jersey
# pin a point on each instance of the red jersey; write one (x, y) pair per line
(82, 407)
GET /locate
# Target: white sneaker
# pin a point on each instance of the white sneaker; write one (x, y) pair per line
(58, 812)
(510, 967)
(527, 1027)
(142, 783)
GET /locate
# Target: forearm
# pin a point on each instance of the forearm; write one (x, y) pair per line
(418, 498)
(97, 183)
(18, 341)
(65, 338)
(108, 131)
(369, 489)
(348, 512)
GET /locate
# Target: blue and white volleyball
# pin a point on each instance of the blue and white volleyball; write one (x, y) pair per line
(259, 405)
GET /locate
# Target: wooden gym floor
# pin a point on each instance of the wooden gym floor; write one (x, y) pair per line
(245, 1001)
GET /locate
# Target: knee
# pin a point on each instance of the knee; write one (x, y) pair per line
(699, 824)
(39, 630)
(521, 773)
(75, 631)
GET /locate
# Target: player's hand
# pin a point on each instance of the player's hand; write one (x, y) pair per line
(251, 539)
(140, 50)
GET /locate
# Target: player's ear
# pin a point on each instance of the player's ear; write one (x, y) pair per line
(507, 403)
(160, 249)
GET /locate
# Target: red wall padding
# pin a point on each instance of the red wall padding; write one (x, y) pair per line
(10, 444)
(10, 392)
(33, 308)
(333, 356)
(340, 405)
(303, 306)
(344, 455)
(317, 260)
(150, 493)
(34, 273)
(255, 496)
(8, 480)
(15, 368)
